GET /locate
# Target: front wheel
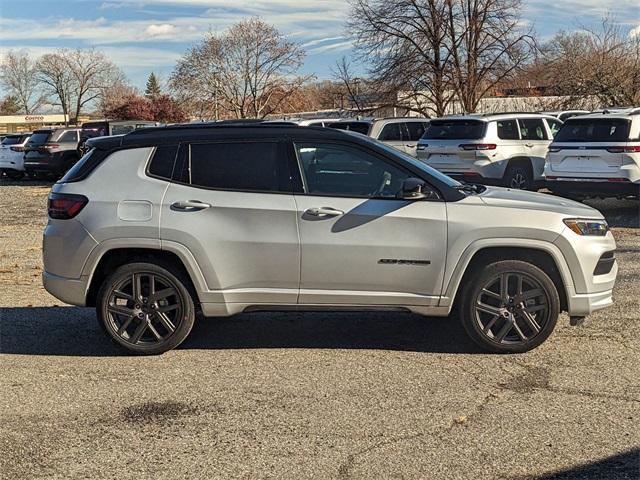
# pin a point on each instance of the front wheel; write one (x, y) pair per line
(145, 308)
(509, 307)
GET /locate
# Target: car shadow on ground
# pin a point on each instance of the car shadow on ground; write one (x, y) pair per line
(74, 331)
(624, 466)
(619, 213)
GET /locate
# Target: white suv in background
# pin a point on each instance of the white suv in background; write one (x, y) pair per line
(12, 155)
(402, 133)
(596, 155)
(505, 149)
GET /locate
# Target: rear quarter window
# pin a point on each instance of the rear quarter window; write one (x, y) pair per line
(455, 130)
(594, 130)
(162, 162)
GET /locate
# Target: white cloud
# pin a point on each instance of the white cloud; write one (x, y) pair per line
(161, 30)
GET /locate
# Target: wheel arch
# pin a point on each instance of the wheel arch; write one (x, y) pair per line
(544, 255)
(113, 258)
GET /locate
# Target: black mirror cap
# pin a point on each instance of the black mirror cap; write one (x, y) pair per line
(413, 189)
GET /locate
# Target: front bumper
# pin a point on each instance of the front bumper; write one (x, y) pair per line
(583, 304)
(69, 290)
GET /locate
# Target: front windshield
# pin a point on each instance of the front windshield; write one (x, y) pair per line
(413, 161)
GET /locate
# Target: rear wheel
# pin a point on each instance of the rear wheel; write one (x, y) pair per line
(145, 308)
(14, 174)
(518, 176)
(509, 307)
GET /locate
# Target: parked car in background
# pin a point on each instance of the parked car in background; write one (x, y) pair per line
(505, 149)
(50, 152)
(564, 114)
(12, 155)
(402, 133)
(316, 122)
(344, 222)
(596, 155)
(105, 128)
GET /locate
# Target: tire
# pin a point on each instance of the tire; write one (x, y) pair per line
(485, 318)
(132, 318)
(518, 176)
(14, 174)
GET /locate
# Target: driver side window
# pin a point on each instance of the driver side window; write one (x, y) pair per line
(340, 170)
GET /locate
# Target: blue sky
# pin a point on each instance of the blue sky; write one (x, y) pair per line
(142, 36)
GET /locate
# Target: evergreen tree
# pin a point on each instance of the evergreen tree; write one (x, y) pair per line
(10, 106)
(153, 86)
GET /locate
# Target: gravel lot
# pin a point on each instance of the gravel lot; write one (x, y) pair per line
(355, 395)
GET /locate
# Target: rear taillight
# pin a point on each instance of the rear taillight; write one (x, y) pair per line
(63, 206)
(17, 149)
(618, 179)
(478, 146)
(628, 149)
(51, 146)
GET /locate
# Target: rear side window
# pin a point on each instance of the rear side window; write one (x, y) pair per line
(390, 133)
(360, 127)
(508, 130)
(594, 130)
(258, 166)
(40, 137)
(455, 130)
(70, 137)
(122, 129)
(532, 129)
(162, 162)
(554, 126)
(416, 130)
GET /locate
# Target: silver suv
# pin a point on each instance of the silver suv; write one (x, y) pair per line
(234, 218)
(505, 149)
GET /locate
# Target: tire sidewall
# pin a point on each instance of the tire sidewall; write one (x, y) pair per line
(523, 170)
(479, 280)
(186, 299)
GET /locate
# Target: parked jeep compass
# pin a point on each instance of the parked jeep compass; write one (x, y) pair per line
(232, 218)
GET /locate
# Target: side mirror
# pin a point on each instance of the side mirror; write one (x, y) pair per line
(413, 189)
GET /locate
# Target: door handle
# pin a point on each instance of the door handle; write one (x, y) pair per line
(324, 212)
(190, 205)
(410, 145)
(528, 145)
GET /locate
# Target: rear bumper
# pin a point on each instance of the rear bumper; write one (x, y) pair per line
(45, 164)
(69, 290)
(6, 164)
(592, 187)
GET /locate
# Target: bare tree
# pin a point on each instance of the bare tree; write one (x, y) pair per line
(405, 43)
(57, 79)
(247, 71)
(486, 45)
(604, 62)
(77, 78)
(435, 52)
(349, 86)
(18, 75)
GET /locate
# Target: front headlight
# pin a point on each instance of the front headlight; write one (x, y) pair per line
(584, 226)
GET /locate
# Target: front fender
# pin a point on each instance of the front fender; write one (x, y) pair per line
(453, 277)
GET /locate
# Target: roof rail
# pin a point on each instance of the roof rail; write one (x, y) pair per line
(206, 125)
(512, 113)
